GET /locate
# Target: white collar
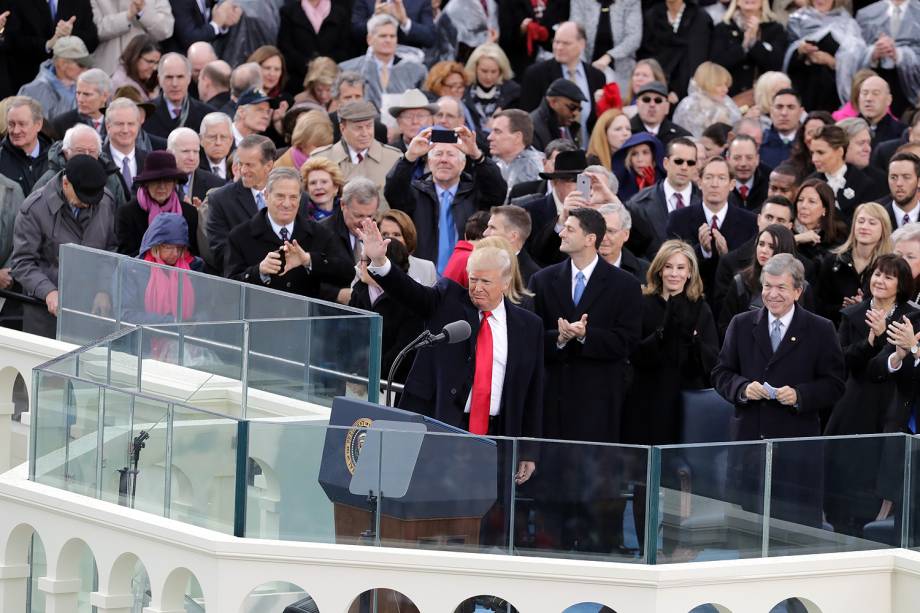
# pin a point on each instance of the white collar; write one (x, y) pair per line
(899, 213)
(498, 312)
(669, 192)
(720, 215)
(619, 260)
(785, 319)
(118, 156)
(276, 228)
(586, 271)
(652, 129)
(840, 174)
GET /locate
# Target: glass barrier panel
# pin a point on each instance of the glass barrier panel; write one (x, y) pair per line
(82, 444)
(439, 491)
(89, 286)
(134, 306)
(583, 501)
(116, 446)
(261, 303)
(211, 298)
(710, 502)
(202, 469)
(54, 413)
(124, 360)
(297, 477)
(909, 520)
(147, 487)
(826, 493)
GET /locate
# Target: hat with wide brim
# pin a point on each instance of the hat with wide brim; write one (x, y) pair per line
(160, 166)
(567, 165)
(412, 99)
(126, 91)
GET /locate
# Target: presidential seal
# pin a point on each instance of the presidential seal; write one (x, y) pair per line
(354, 442)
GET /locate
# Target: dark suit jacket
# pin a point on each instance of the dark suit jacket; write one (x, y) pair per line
(859, 188)
(442, 376)
(131, 223)
(758, 192)
(746, 65)
(667, 131)
(772, 151)
(650, 218)
(543, 242)
(527, 188)
(190, 27)
(161, 122)
(637, 267)
(140, 156)
(907, 379)
(537, 78)
(203, 182)
(218, 101)
(29, 27)
(300, 43)
(250, 241)
(882, 152)
(886, 129)
(206, 165)
(527, 266)
(228, 207)
(65, 121)
(586, 382)
(422, 33)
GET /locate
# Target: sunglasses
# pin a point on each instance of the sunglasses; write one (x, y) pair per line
(651, 99)
(681, 162)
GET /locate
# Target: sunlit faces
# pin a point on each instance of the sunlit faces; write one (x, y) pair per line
(488, 72)
(681, 165)
(716, 183)
(779, 293)
(874, 98)
(358, 135)
(22, 129)
(785, 112)
(614, 238)
(453, 85)
(83, 143)
(147, 64)
(618, 132)
(446, 163)
(217, 141)
(497, 227)
(910, 252)
(253, 171)
(903, 183)
(255, 117)
(567, 46)
(743, 159)
(781, 185)
(89, 99)
(186, 149)
(355, 212)
(675, 274)
(449, 114)
(867, 229)
(487, 288)
(572, 238)
(652, 108)
(883, 286)
(764, 248)
(169, 254)
(413, 121)
(320, 187)
(350, 93)
(283, 201)
(811, 128)
(68, 70)
(382, 40)
(826, 159)
(772, 213)
(642, 74)
(174, 79)
(809, 208)
(503, 143)
(391, 230)
(567, 110)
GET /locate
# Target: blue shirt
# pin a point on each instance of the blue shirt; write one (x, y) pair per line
(447, 231)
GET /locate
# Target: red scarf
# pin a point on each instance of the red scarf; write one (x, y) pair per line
(646, 177)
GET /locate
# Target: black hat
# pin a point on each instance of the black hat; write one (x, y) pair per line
(655, 87)
(567, 165)
(87, 176)
(255, 96)
(160, 165)
(566, 89)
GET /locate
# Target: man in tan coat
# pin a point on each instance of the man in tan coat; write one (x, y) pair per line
(358, 154)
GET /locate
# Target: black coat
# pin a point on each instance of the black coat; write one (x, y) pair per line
(527, 266)
(586, 382)
(442, 376)
(131, 223)
(637, 267)
(737, 259)
(745, 66)
(546, 127)
(190, 27)
(886, 129)
(738, 298)
(65, 121)
(907, 381)
(537, 79)
(140, 156)
(650, 218)
(161, 123)
(679, 54)
(882, 152)
(29, 27)
(203, 182)
(481, 189)
(19, 167)
(678, 350)
(300, 43)
(838, 279)
(667, 131)
(510, 15)
(858, 188)
(757, 193)
(543, 242)
(421, 34)
(249, 243)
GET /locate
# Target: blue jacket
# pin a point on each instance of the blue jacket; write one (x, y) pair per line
(773, 152)
(627, 178)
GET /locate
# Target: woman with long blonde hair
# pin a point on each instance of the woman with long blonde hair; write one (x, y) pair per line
(610, 132)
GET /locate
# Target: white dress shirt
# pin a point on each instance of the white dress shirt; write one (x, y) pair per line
(587, 271)
(899, 214)
(498, 322)
(837, 180)
(219, 169)
(669, 192)
(354, 155)
(709, 215)
(118, 159)
(785, 320)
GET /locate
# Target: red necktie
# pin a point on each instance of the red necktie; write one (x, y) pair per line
(743, 190)
(360, 157)
(482, 379)
(715, 223)
(485, 6)
(680, 201)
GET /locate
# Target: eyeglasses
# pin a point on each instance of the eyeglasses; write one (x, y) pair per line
(651, 99)
(681, 162)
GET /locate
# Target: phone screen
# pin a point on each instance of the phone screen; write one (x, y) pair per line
(443, 136)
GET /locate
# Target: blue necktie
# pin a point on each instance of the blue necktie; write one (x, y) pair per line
(260, 201)
(52, 4)
(126, 172)
(776, 335)
(447, 232)
(75, 210)
(579, 287)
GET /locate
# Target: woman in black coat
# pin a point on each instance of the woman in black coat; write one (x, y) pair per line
(300, 42)
(851, 496)
(748, 42)
(843, 277)
(744, 293)
(678, 349)
(817, 229)
(155, 193)
(681, 52)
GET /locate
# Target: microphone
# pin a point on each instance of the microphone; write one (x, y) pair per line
(454, 332)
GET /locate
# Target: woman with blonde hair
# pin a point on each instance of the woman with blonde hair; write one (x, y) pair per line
(323, 181)
(317, 84)
(765, 88)
(610, 132)
(517, 293)
(843, 277)
(491, 86)
(312, 130)
(708, 101)
(677, 350)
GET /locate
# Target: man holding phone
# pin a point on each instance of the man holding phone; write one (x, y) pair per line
(441, 202)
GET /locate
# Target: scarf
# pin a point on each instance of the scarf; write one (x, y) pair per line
(162, 294)
(298, 157)
(316, 14)
(153, 207)
(645, 177)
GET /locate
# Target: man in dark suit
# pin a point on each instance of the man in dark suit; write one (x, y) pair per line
(194, 24)
(651, 206)
(873, 105)
(785, 114)
(93, 91)
(513, 224)
(214, 84)
(185, 145)
(714, 227)
(781, 366)
(652, 108)
(498, 395)
(568, 46)
(217, 145)
(32, 30)
(613, 249)
(311, 254)
(175, 108)
(558, 115)
(123, 124)
(588, 309)
(238, 202)
(903, 185)
(416, 22)
(751, 177)
(882, 152)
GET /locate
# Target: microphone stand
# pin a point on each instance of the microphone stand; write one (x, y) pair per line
(128, 474)
(424, 336)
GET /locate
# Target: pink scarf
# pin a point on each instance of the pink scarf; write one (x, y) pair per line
(316, 14)
(153, 207)
(162, 294)
(298, 157)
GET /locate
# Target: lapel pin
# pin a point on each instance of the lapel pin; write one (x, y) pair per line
(793, 339)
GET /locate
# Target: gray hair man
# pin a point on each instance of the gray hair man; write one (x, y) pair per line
(175, 108)
(613, 248)
(216, 135)
(94, 89)
(24, 150)
(185, 145)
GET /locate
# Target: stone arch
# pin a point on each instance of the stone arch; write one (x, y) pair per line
(176, 586)
(273, 596)
(393, 598)
(796, 604)
(17, 544)
(710, 607)
(264, 497)
(68, 559)
(126, 571)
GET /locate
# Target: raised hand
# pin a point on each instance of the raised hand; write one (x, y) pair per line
(419, 146)
(375, 246)
(466, 142)
(294, 257)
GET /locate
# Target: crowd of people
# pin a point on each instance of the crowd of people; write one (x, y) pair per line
(627, 200)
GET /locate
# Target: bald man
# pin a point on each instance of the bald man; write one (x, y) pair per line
(200, 54)
(874, 101)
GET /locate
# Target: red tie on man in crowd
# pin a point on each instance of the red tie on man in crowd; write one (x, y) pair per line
(679, 201)
(481, 401)
(744, 191)
(715, 223)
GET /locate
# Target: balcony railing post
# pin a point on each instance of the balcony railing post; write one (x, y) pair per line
(906, 495)
(242, 478)
(244, 371)
(652, 502)
(767, 494)
(170, 433)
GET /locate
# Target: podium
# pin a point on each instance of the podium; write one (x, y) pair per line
(431, 491)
